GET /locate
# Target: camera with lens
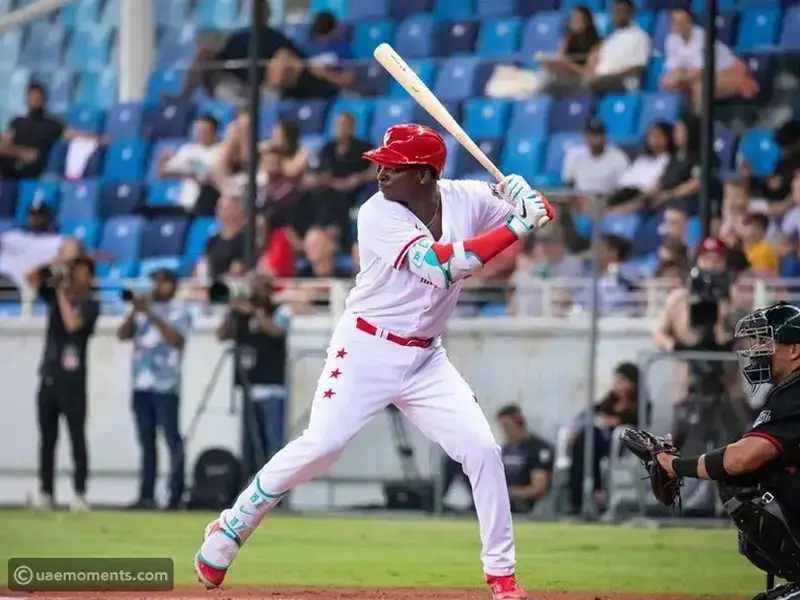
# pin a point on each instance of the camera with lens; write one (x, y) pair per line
(221, 292)
(706, 289)
(128, 294)
(49, 277)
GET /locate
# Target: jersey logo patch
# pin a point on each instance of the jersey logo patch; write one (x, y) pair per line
(417, 253)
(763, 417)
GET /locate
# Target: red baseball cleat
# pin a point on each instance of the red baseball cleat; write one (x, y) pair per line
(505, 587)
(210, 576)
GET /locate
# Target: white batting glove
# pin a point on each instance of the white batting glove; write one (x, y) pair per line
(531, 209)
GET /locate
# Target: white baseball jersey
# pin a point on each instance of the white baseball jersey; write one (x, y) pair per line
(386, 293)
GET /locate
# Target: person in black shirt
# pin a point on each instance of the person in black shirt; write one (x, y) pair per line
(62, 391)
(778, 186)
(27, 140)
(224, 252)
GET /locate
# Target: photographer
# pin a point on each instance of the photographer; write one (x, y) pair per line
(158, 327)
(259, 327)
(67, 288)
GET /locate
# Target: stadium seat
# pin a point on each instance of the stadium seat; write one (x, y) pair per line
(368, 34)
(125, 161)
(164, 82)
(758, 29)
(172, 118)
(758, 148)
(763, 67)
(456, 78)
(517, 8)
(6, 225)
(85, 117)
(44, 47)
(468, 167)
(164, 236)
(177, 47)
(100, 88)
(699, 6)
(77, 15)
(16, 90)
(308, 114)
(531, 117)
(425, 70)
(120, 198)
(56, 160)
(360, 109)
(124, 121)
(31, 191)
(400, 9)
(358, 10)
(790, 40)
(542, 33)
(486, 118)
(150, 265)
(414, 37)
(570, 114)
(373, 80)
(620, 114)
(727, 23)
(499, 37)
(117, 272)
(593, 5)
(173, 13)
(422, 117)
(659, 106)
(390, 112)
(725, 149)
(313, 143)
(8, 198)
(199, 232)
(297, 32)
(121, 238)
(160, 148)
(523, 155)
(694, 231)
(455, 38)
(88, 232)
(164, 193)
(79, 201)
(89, 48)
(624, 226)
(660, 30)
(447, 9)
(223, 112)
(557, 148)
(217, 14)
(10, 49)
(268, 116)
(60, 89)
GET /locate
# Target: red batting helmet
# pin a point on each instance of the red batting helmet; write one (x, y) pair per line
(410, 144)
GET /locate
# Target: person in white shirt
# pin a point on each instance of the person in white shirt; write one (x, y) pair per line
(596, 167)
(623, 55)
(685, 58)
(643, 175)
(419, 237)
(192, 162)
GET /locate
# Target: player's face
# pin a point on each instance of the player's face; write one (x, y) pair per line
(784, 361)
(400, 183)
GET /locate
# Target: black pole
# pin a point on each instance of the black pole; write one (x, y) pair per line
(709, 173)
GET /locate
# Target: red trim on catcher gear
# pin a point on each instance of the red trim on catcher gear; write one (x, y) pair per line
(398, 263)
(409, 144)
(417, 342)
(772, 440)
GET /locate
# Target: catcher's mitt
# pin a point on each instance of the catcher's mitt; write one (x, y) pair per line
(646, 446)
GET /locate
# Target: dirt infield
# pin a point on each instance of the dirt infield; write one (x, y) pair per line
(283, 593)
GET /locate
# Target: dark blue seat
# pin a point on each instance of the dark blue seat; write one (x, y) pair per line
(308, 114)
(8, 198)
(542, 33)
(163, 237)
(455, 38)
(725, 149)
(400, 9)
(79, 201)
(570, 114)
(170, 119)
(373, 80)
(124, 121)
(414, 37)
(466, 163)
(531, 117)
(121, 239)
(421, 116)
(120, 198)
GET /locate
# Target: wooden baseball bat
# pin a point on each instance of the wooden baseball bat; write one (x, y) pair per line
(406, 77)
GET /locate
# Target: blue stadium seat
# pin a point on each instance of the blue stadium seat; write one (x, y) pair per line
(401, 9)
(453, 150)
(297, 32)
(217, 14)
(313, 143)
(16, 90)
(595, 6)
(699, 6)
(89, 48)
(542, 33)
(124, 121)
(30, 192)
(85, 117)
(620, 114)
(557, 148)
(176, 46)
(79, 201)
(172, 118)
(269, 116)
(425, 70)
(660, 30)
(108, 273)
(495, 8)
(125, 161)
(100, 88)
(60, 89)
(150, 265)
(160, 148)
(164, 193)
(522, 154)
(8, 198)
(758, 147)
(422, 117)
(164, 82)
(456, 78)
(624, 226)
(725, 149)
(758, 29)
(44, 46)
(531, 117)
(308, 114)
(570, 114)
(10, 49)
(659, 106)
(499, 37)
(790, 40)
(201, 229)
(764, 69)
(56, 160)
(390, 112)
(373, 80)
(164, 236)
(77, 15)
(121, 238)
(120, 198)
(223, 112)
(361, 111)
(414, 37)
(368, 34)
(727, 24)
(6, 225)
(173, 13)
(455, 38)
(447, 9)
(486, 118)
(367, 9)
(694, 230)
(88, 232)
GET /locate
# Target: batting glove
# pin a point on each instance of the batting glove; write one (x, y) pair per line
(531, 209)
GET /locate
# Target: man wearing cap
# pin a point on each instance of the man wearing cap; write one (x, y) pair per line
(158, 326)
(596, 167)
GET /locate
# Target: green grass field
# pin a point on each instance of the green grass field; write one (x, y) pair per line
(344, 551)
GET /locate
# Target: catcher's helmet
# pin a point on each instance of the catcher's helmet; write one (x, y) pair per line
(409, 144)
(757, 333)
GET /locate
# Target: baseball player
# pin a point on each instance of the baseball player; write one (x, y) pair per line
(419, 237)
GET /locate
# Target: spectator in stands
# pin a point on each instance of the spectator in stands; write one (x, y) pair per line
(735, 208)
(192, 163)
(327, 50)
(230, 161)
(619, 407)
(277, 255)
(332, 188)
(623, 55)
(669, 276)
(224, 252)
(320, 251)
(685, 57)
(596, 167)
(283, 162)
(643, 176)
(27, 140)
(22, 250)
(673, 226)
(761, 255)
(566, 71)
(613, 288)
(790, 232)
(778, 186)
(672, 251)
(158, 326)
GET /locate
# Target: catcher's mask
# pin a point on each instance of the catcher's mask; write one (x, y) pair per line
(754, 343)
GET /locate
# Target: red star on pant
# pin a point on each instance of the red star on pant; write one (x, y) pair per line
(341, 353)
(328, 394)
(335, 373)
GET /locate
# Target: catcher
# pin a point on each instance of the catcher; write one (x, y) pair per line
(759, 475)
